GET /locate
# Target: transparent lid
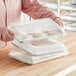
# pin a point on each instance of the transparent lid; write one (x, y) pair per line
(37, 29)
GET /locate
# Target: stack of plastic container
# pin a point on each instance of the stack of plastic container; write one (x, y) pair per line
(35, 41)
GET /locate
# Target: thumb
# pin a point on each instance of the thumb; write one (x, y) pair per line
(10, 32)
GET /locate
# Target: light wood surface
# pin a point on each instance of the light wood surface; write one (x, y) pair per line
(11, 67)
(73, 73)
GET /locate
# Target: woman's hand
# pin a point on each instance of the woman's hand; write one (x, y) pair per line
(5, 34)
(59, 21)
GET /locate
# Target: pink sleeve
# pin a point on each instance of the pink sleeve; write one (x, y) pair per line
(36, 10)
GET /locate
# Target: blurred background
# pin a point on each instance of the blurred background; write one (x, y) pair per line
(66, 9)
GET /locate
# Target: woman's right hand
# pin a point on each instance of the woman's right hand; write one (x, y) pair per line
(5, 34)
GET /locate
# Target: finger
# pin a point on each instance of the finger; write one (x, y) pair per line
(1, 30)
(0, 37)
(59, 22)
(10, 32)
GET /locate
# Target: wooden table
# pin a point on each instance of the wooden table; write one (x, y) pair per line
(11, 67)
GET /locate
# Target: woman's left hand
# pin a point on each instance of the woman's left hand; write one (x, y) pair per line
(7, 35)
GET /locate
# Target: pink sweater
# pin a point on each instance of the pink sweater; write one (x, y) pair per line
(10, 11)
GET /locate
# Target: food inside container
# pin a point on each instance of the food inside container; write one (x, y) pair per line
(41, 42)
(52, 32)
(37, 34)
(23, 36)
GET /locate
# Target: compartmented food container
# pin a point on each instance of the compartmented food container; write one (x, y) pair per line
(37, 29)
(37, 39)
(33, 59)
(40, 47)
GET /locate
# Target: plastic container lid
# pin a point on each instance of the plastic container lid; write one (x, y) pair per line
(42, 28)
